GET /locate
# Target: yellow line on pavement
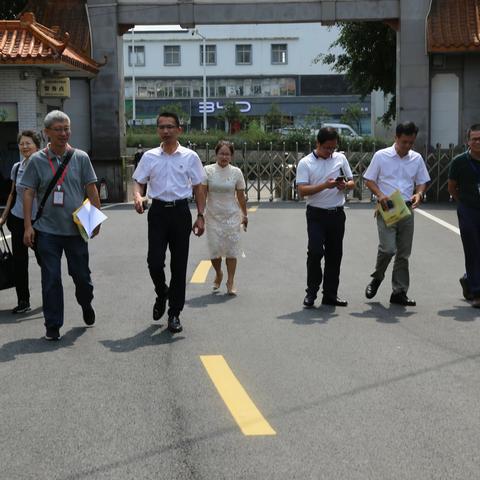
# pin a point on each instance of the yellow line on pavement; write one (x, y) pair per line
(201, 272)
(243, 410)
(252, 209)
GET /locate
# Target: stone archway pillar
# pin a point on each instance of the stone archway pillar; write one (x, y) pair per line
(413, 69)
(107, 97)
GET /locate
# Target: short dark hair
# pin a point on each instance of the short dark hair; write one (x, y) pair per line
(473, 128)
(327, 133)
(30, 134)
(171, 115)
(225, 143)
(406, 128)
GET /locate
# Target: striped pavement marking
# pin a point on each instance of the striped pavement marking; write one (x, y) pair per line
(439, 221)
(243, 410)
(201, 272)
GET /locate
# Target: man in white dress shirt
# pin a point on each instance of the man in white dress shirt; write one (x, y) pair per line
(396, 168)
(171, 171)
(322, 177)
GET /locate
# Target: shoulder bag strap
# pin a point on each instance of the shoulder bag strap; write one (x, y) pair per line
(52, 183)
(14, 195)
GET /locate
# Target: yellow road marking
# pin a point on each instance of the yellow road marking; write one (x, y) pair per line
(243, 410)
(252, 209)
(201, 272)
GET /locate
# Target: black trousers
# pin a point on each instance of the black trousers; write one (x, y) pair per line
(20, 257)
(325, 239)
(169, 226)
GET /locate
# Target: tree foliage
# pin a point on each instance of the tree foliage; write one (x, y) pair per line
(353, 116)
(368, 59)
(9, 9)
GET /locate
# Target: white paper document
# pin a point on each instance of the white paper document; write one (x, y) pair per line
(88, 217)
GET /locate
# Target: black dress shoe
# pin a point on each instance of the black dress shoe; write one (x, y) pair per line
(372, 288)
(159, 307)
(401, 298)
(174, 324)
(88, 315)
(309, 300)
(334, 301)
(465, 290)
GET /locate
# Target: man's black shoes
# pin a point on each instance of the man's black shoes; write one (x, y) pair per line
(372, 288)
(309, 300)
(52, 334)
(88, 315)
(159, 307)
(400, 298)
(334, 301)
(465, 290)
(174, 324)
(22, 307)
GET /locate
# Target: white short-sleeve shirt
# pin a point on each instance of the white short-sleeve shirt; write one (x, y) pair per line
(391, 172)
(170, 177)
(312, 170)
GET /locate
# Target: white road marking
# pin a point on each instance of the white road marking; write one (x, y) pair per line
(439, 221)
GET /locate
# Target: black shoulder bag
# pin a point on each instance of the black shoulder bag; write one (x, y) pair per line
(52, 183)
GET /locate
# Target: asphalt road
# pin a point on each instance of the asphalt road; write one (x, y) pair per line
(371, 391)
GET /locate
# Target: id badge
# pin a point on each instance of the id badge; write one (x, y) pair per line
(58, 198)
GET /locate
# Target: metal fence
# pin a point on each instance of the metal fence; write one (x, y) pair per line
(271, 174)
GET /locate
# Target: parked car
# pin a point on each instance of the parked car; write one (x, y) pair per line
(343, 129)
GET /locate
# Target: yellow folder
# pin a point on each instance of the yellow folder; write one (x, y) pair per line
(397, 213)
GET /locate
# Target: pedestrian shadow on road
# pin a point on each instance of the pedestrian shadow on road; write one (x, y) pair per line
(209, 299)
(7, 318)
(11, 350)
(389, 315)
(142, 339)
(311, 316)
(461, 313)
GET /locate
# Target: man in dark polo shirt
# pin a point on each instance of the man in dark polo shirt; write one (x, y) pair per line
(464, 187)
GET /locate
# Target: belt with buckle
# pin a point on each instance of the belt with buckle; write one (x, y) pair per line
(329, 210)
(173, 203)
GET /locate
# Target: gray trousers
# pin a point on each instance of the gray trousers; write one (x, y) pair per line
(394, 241)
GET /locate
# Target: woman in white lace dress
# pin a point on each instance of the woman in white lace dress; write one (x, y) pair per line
(225, 214)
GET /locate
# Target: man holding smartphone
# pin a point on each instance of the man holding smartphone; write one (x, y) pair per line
(323, 176)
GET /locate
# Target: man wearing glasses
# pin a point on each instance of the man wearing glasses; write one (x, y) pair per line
(464, 187)
(55, 232)
(171, 171)
(396, 168)
(323, 177)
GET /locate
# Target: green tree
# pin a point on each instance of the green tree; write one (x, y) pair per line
(9, 9)
(231, 114)
(316, 116)
(177, 108)
(368, 59)
(274, 117)
(353, 116)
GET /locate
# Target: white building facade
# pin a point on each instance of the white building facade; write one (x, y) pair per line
(255, 66)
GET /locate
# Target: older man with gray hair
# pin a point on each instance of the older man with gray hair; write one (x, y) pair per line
(54, 231)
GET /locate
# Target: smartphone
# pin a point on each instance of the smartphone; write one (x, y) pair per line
(389, 204)
(341, 178)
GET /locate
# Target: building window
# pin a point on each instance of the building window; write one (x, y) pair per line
(171, 55)
(243, 54)
(210, 55)
(279, 54)
(137, 58)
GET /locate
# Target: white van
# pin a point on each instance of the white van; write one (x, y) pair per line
(343, 129)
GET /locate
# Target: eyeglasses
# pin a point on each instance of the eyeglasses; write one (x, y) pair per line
(60, 129)
(475, 140)
(26, 144)
(166, 127)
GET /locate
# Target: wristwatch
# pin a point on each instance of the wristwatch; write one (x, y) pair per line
(200, 215)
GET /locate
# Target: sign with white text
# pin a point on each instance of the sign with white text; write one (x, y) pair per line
(212, 107)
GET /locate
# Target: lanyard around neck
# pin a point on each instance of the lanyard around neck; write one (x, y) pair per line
(62, 178)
